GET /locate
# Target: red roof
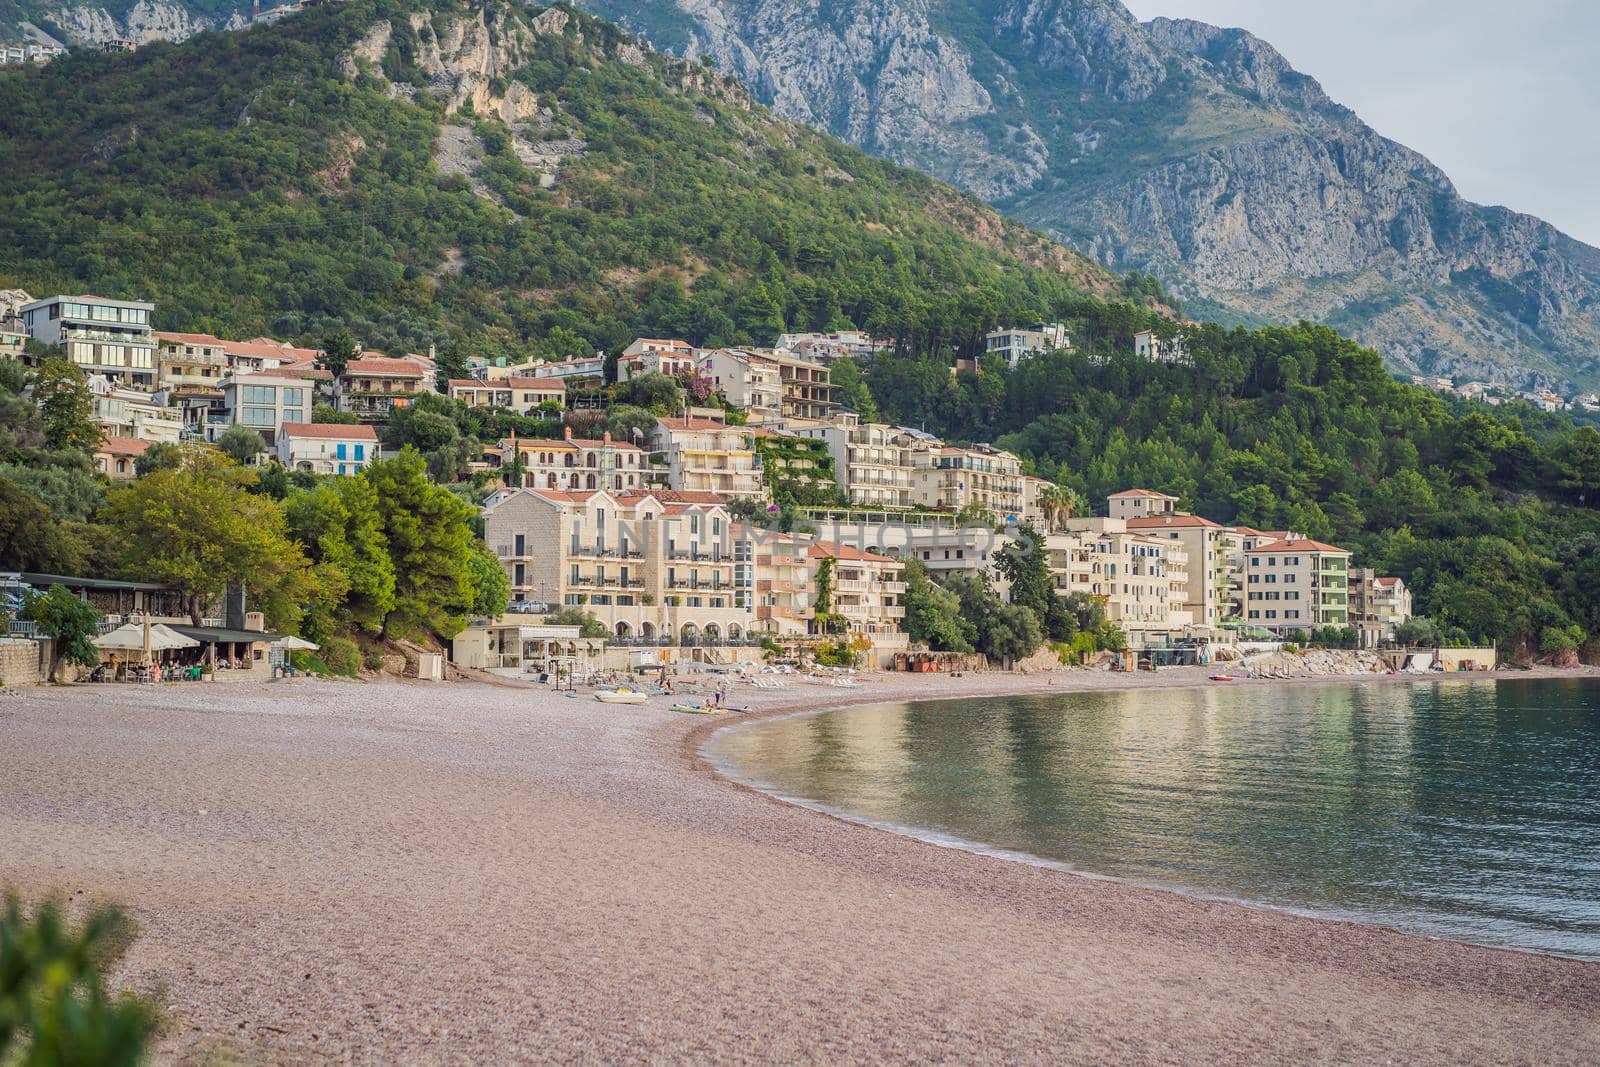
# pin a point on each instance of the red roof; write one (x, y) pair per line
(1155, 522)
(333, 430)
(124, 446)
(561, 496)
(1385, 581)
(188, 338)
(383, 366)
(1298, 546)
(693, 423)
(673, 496)
(1142, 493)
(826, 549)
(543, 385)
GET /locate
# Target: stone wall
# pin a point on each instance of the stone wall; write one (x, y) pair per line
(19, 662)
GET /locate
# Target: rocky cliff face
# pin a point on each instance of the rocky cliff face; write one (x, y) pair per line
(1175, 147)
(92, 24)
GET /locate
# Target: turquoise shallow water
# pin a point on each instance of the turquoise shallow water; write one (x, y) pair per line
(1461, 809)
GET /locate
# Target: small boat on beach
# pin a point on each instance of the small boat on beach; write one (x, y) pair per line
(1223, 678)
(620, 696)
(691, 709)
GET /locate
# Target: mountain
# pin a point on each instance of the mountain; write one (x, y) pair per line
(77, 23)
(489, 175)
(1173, 147)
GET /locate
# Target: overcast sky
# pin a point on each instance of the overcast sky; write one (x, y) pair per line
(1504, 97)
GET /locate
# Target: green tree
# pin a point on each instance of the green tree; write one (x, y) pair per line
(338, 349)
(656, 393)
(241, 443)
(327, 413)
(160, 456)
(197, 527)
(933, 614)
(54, 1007)
(67, 486)
(62, 394)
(340, 525)
(30, 537)
(587, 624)
(491, 589)
(429, 534)
(852, 391)
(73, 623)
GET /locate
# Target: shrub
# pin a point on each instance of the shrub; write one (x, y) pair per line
(342, 656)
(54, 1008)
(372, 659)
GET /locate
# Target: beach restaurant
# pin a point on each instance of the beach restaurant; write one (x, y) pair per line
(514, 646)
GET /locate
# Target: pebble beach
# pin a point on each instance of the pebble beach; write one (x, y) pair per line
(380, 873)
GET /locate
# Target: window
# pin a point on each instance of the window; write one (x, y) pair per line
(260, 394)
(143, 358)
(294, 414)
(258, 417)
(293, 395)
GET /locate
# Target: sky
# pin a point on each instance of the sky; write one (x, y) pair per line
(1504, 97)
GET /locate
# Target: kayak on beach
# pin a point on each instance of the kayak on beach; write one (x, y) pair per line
(691, 709)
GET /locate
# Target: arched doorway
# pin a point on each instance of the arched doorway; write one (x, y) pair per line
(690, 633)
(647, 630)
(734, 633)
(713, 634)
(624, 630)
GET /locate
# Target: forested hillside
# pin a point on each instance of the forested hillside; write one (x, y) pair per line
(482, 176)
(1489, 516)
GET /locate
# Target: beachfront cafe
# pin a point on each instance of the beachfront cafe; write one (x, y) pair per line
(512, 646)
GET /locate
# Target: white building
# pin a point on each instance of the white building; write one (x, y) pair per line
(108, 337)
(1147, 344)
(872, 462)
(652, 355)
(1016, 342)
(1295, 586)
(326, 448)
(581, 367)
(745, 380)
(133, 413)
(708, 456)
(523, 395)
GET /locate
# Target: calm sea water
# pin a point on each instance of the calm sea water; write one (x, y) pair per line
(1460, 809)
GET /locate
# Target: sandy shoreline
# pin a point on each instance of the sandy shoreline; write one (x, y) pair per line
(377, 873)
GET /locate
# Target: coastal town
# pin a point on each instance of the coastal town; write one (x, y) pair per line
(673, 544)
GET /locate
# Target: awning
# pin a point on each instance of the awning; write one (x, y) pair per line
(218, 635)
(130, 637)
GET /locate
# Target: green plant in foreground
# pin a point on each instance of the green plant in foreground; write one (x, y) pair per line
(54, 1008)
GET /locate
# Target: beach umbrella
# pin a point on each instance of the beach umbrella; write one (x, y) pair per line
(131, 637)
(296, 644)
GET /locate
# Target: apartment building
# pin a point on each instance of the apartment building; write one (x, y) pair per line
(800, 466)
(650, 355)
(872, 462)
(111, 338)
(708, 456)
(578, 464)
(807, 392)
(649, 569)
(1140, 504)
(1014, 343)
(326, 448)
(521, 394)
(951, 479)
(1211, 590)
(1294, 586)
(580, 367)
(1391, 603)
(13, 343)
(263, 402)
(374, 385)
(827, 347)
(190, 364)
(1141, 580)
(868, 594)
(783, 584)
(745, 380)
(133, 413)
(1377, 605)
